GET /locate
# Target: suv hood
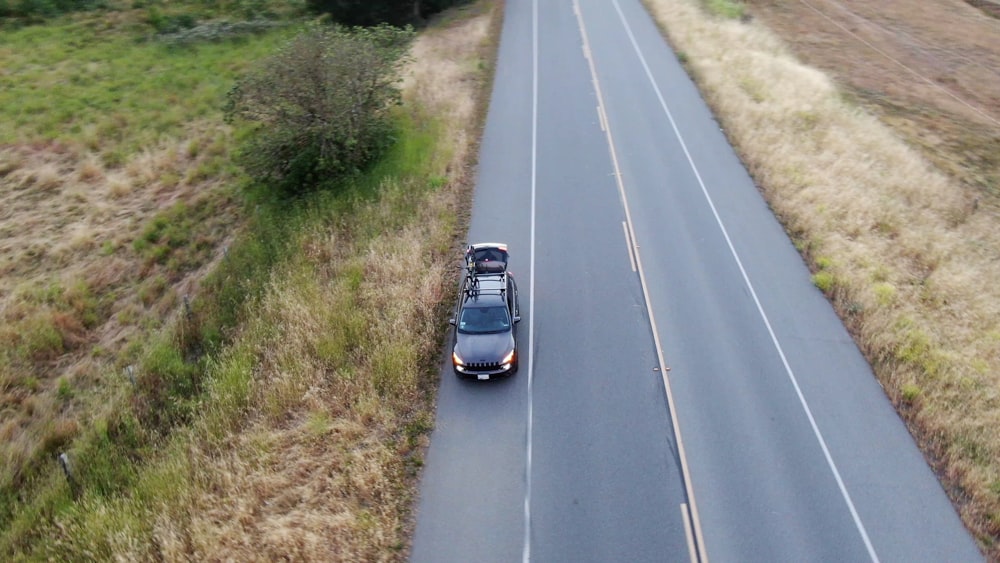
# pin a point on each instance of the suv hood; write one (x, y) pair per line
(484, 348)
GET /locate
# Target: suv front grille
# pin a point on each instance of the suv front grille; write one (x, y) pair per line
(482, 366)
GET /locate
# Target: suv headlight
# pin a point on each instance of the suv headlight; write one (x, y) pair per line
(456, 359)
(508, 359)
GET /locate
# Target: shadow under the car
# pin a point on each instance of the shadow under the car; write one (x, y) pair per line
(493, 380)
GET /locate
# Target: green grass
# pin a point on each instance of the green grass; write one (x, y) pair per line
(728, 9)
(885, 293)
(40, 338)
(171, 238)
(80, 82)
(46, 320)
(825, 281)
(911, 393)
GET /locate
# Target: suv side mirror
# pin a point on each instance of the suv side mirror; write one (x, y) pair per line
(451, 321)
(517, 318)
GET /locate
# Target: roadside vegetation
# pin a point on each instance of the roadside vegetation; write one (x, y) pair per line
(321, 106)
(900, 232)
(193, 367)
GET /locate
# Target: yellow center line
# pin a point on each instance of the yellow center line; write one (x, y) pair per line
(697, 551)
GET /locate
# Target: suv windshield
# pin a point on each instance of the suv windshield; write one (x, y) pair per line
(480, 320)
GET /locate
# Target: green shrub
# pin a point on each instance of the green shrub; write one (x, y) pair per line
(320, 106)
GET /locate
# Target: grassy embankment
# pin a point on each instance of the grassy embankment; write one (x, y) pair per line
(300, 438)
(908, 256)
(117, 190)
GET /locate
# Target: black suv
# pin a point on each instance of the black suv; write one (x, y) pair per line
(485, 343)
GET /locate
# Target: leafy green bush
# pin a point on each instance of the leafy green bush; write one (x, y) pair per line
(321, 106)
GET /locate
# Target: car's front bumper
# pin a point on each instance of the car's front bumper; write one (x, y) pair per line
(483, 373)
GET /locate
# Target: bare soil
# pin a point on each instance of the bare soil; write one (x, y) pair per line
(928, 68)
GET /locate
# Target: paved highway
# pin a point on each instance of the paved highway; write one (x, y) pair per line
(640, 243)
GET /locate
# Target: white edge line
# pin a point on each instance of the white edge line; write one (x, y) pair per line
(686, 518)
(746, 279)
(526, 553)
(692, 517)
(628, 244)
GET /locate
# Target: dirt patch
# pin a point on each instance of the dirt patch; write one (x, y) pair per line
(930, 69)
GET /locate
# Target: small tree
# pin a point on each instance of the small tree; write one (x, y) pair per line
(321, 105)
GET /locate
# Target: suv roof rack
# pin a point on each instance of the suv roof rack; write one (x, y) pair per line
(472, 288)
(485, 261)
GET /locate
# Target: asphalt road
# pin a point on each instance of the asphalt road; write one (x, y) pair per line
(790, 450)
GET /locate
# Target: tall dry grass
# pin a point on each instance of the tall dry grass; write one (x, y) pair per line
(908, 257)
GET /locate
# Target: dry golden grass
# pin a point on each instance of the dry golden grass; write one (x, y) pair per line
(910, 256)
(435, 88)
(68, 222)
(320, 473)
